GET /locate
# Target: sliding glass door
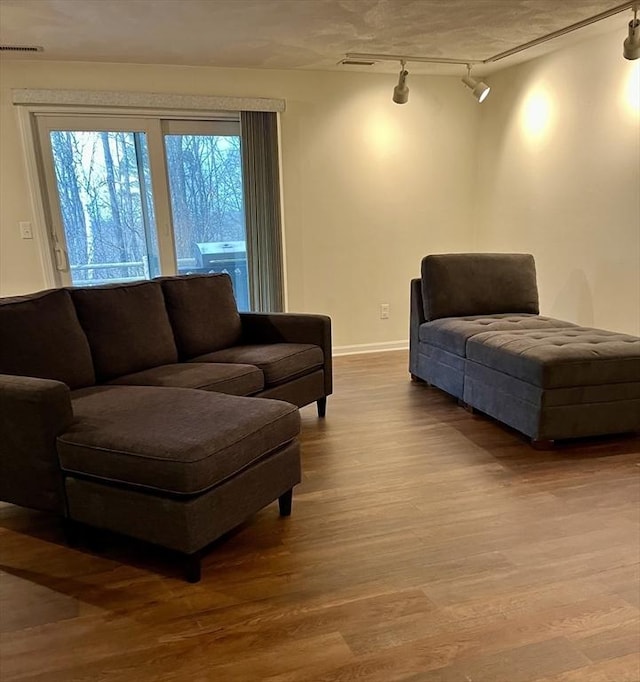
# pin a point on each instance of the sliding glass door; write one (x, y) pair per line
(133, 198)
(204, 166)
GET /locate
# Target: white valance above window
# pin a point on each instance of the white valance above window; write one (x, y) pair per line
(143, 100)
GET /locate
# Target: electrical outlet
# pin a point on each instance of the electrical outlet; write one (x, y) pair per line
(384, 311)
(25, 230)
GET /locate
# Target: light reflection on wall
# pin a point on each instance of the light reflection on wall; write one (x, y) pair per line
(632, 88)
(536, 114)
(382, 133)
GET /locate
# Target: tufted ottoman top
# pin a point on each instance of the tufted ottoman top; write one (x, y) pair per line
(452, 333)
(553, 358)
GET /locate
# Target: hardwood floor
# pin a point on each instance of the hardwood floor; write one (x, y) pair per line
(425, 545)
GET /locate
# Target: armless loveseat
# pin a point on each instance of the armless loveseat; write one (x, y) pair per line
(155, 409)
(476, 333)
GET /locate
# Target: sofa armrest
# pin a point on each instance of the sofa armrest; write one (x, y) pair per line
(33, 412)
(416, 318)
(291, 328)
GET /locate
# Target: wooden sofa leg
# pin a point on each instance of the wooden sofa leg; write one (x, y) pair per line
(322, 407)
(72, 532)
(192, 567)
(542, 444)
(469, 408)
(77, 534)
(284, 502)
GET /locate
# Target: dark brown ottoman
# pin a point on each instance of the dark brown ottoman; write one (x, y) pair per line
(556, 383)
(176, 467)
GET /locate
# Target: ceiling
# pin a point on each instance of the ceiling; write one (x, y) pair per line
(293, 34)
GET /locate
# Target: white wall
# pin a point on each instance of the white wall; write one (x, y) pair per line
(559, 176)
(369, 186)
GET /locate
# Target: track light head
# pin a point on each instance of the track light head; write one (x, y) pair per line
(401, 91)
(631, 45)
(479, 89)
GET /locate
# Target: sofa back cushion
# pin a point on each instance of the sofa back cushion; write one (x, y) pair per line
(127, 327)
(40, 336)
(203, 313)
(460, 284)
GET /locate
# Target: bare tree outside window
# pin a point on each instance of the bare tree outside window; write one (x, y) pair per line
(100, 196)
(205, 183)
(205, 179)
(106, 204)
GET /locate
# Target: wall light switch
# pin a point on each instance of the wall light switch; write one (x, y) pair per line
(26, 232)
(384, 311)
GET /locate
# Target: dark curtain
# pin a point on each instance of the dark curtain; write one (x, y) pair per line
(262, 209)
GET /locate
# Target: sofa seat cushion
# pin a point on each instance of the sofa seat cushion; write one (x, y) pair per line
(40, 336)
(451, 333)
(279, 362)
(223, 378)
(175, 440)
(127, 327)
(203, 312)
(555, 358)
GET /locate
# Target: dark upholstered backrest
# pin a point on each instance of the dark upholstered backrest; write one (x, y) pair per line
(127, 327)
(203, 313)
(458, 284)
(40, 336)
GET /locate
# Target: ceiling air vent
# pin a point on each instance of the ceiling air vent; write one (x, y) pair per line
(21, 48)
(356, 62)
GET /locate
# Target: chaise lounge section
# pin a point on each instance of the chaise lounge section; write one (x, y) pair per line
(476, 333)
(155, 409)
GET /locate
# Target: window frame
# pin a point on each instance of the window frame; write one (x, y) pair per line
(86, 103)
(45, 124)
(155, 129)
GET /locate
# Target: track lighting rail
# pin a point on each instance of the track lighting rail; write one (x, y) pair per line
(371, 56)
(560, 32)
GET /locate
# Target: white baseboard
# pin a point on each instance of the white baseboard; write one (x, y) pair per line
(358, 348)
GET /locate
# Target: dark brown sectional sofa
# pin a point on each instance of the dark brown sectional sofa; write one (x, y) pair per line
(155, 409)
(477, 334)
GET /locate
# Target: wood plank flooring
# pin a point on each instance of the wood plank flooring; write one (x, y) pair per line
(425, 545)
